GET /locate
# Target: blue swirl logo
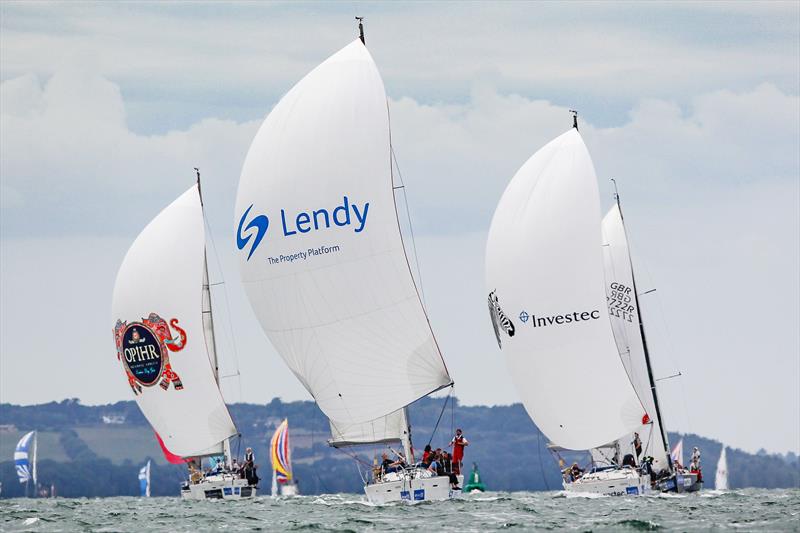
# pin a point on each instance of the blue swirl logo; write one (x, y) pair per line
(259, 223)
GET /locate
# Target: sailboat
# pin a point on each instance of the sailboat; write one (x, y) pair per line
(164, 337)
(25, 460)
(283, 482)
(323, 264)
(144, 481)
(721, 478)
(582, 371)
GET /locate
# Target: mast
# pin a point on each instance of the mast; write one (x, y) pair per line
(35, 451)
(650, 377)
(574, 118)
(408, 447)
(209, 316)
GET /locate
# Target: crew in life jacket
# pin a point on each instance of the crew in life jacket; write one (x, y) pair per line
(249, 467)
(458, 443)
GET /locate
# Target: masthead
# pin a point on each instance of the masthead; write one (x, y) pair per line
(361, 29)
(574, 118)
(199, 191)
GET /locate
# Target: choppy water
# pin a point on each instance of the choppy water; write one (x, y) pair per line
(746, 510)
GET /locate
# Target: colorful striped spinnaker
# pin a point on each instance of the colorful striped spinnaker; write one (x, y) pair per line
(279, 453)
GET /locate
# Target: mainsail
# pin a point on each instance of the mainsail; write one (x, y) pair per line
(544, 266)
(626, 322)
(25, 458)
(677, 453)
(721, 478)
(159, 329)
(390, 428)
(321, 254)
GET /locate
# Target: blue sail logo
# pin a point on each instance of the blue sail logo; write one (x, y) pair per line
(260, 223)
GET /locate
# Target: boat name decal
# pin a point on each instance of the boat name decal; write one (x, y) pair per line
(344, 214)
(143, 347)
(499, 318)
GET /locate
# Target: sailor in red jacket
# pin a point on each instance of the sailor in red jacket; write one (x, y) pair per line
(458, 443)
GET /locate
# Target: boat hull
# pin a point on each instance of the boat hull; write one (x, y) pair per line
(412, 490)
(625, 482)
(219, 488)
(682, 482)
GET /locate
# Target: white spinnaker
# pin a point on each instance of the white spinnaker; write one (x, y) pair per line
(544, 258)
(721, 478)
(625, 317)
(163, 273)
(389, 428)
(348, 322)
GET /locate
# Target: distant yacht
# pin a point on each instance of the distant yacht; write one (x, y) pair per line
(283, 482)
(25, 460)
(164, 334)
(721, 478)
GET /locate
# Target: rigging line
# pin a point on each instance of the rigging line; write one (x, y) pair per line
(410, 225)
(314, 465)
(671, 353)
(539, 453)
(440, 416)
(227, 301)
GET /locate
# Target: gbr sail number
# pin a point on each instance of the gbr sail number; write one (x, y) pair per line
(620, 302)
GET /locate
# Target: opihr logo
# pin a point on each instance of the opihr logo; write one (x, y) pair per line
(143, 347)
(499, 318)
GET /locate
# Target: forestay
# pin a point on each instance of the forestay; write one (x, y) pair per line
(321, 255)
(545, 276)
(625, 322)
(157, 304)
(386, 429)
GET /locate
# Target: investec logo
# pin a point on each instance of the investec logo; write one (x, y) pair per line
(558, 320)
(254, 227)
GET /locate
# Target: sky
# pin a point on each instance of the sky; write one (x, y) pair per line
(694, 109)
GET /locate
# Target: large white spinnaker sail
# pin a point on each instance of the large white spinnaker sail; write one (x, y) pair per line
(721, 477)
(157, 311)
(321, 255)
(623, 307)
(544, 270)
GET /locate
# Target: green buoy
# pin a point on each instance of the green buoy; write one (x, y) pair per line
(474, 483)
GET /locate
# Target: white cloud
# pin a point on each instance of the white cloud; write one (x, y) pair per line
(710, 193)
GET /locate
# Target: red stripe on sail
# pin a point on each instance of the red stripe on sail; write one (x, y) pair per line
(168, 455)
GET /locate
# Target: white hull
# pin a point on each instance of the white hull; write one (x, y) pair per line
(404, 487)
(222, 487)
(622, 482)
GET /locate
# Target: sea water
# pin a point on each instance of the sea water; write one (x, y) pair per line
(739, 510)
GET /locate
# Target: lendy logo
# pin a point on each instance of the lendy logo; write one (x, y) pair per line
(345, 214)
(259, 223)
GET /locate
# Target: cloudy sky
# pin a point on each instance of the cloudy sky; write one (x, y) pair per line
(693, 108)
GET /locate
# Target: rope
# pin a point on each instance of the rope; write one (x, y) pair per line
(539, 453)
(316, 474)
(410, 227)
(440, 416)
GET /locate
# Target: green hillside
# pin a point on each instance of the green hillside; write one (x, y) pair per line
(85, 455)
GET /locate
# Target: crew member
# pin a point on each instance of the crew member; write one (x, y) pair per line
(458, 443)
